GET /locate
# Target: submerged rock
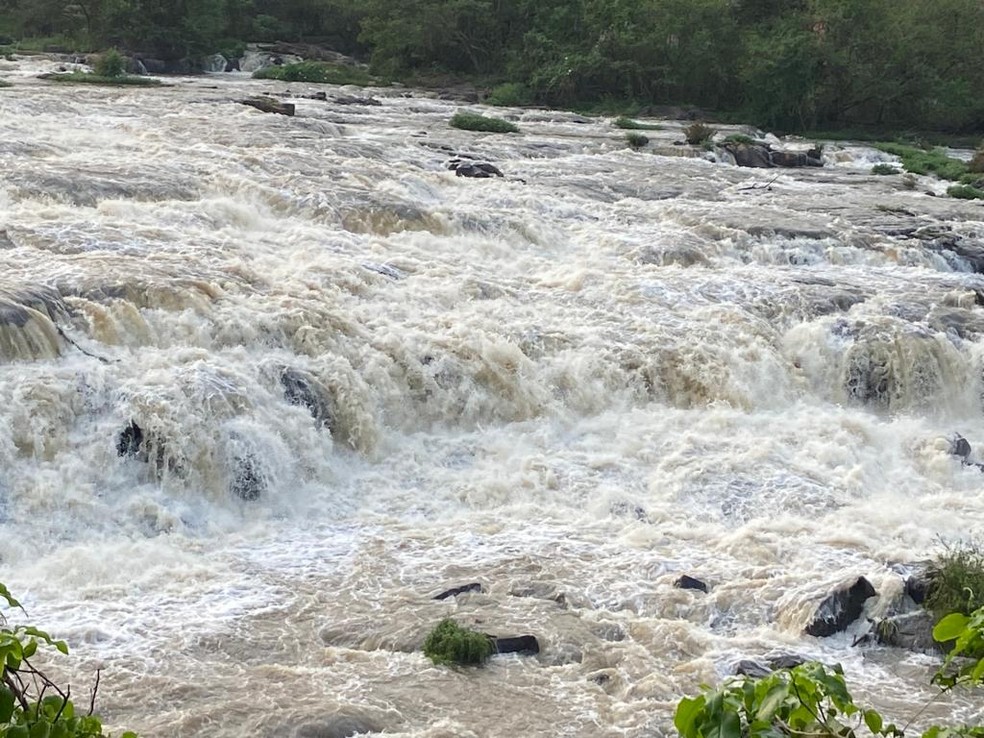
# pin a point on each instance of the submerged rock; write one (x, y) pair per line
(130, 442)
(248, 483)
(269, 105)
(840, 609)
(301, 388)
(337, 726)
(912, 631)
(524, 645)
(474, 169)
(688, 582)
(455, 591)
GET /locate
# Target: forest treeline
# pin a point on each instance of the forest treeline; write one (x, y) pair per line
(787, 64)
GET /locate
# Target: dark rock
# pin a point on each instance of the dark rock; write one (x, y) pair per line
(794, 159)
(476, 169)
(753, 669)
(786, 661)
(959, 446)
(912, 631)
(523, 645)
(300, 388)
(840, 609)
(247, 482)
(269, 105)
(750, 155)
(337, 726)
(153, 66)
(688, 582)
(455, 591)
(232, 65)
(919, 583)
(354, 100)
(135, 66)
(130, 441)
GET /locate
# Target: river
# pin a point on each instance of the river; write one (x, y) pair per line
(571, 385)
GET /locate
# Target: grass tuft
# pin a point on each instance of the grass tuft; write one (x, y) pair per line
(317, 72)
(449, 643)
(921, 161)
(698, 133)
(636, 140)
(966, 192)
(475, 122)
(957, 578)
(629, 124)
(884, 169)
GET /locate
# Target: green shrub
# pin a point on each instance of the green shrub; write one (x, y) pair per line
(976, 164)
(317, 72)
(81, 78)
(110, 64)
(956, 579)
(475, 122)
(965, 192)
(510, 95)
(884, 169)
(634, 125)
(636, 140)
(449, 643)
(920, 161)
(738, 138)
(697, 133)
(31, 704)
(964, 662)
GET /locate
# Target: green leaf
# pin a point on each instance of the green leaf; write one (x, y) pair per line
(18, 731)
(129, 734)
(728, 727)
(950, 627)
(6, 704)
(772, 701)
(41, 729)
(873, 720)
(687, 711)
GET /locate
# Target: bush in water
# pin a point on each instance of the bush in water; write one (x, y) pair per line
(110, 64)
(636, 140)
(813, 700)
(317, 72)
(965, 192)
(884, 169)
(449, 643)
(697, 133)
(31, 704)
(956, 577)
(475, 122)
(921, 161)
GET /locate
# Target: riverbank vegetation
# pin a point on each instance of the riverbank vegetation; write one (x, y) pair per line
(790, 66)
(32, 705)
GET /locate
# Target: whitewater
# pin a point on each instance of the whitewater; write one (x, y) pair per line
(360, 380)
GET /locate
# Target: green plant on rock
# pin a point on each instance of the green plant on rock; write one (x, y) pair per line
(630, 124)
(956, 577)
(31, 704)
(884, 169)
(965, 192)
(636, 140)
(110, 64)
(475, 122)
(449, 643)
(921, 161)
(317, 72)
(698, 133)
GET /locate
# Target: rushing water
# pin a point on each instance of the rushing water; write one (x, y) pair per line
(572, 389)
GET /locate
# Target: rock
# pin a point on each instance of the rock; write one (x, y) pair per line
(247, 481)
(794, 159)
(153, 66)
(353, 100)
(688, 582)
(919, 582)
(750, 155)
(786, 661)
(476, 169)
(840, 609)
(215, 63)
(301, 388)
(269, 105)
(129, 442)
(524, 645)
(337, 726)
(912, 631)
(753, 669)
(959, 446)
(135, 66)
(232, 65)
(455, 591)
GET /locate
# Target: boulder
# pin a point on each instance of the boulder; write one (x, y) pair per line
(840, 609)
(794, 159)
(752, 669)
(455, 591)
(269, 105)
(960, 446)
(354, 100)
(130, 442)
(912, 631)
(750, 155)
(215, 63)
(232, 65)
(524, 645)
(688, 582)
(247, 479)
(919, 582)
(337, 726)
(135, 66)
(153, 66)
(476, 169)
(301, 388)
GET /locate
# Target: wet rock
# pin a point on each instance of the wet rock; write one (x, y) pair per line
(130, 442)
(269, 105)
(248, 483)
(787, 661)
(337, 726)
(625, 509)
(524, 645)
(959, 446)
(475, 169)
(300, 388)
(840, 609)
(153, 66)
(750, 155)
(232, 65)
(753, 669)
(135, 66)
(688, 582)
(355, 100)
(912, 631)
(919, 582)
(455, 591)
(794, 159)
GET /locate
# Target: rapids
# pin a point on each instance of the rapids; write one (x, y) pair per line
(572, 389)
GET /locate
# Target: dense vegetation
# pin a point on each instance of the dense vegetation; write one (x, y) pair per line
(796, 64)
(449, 643)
